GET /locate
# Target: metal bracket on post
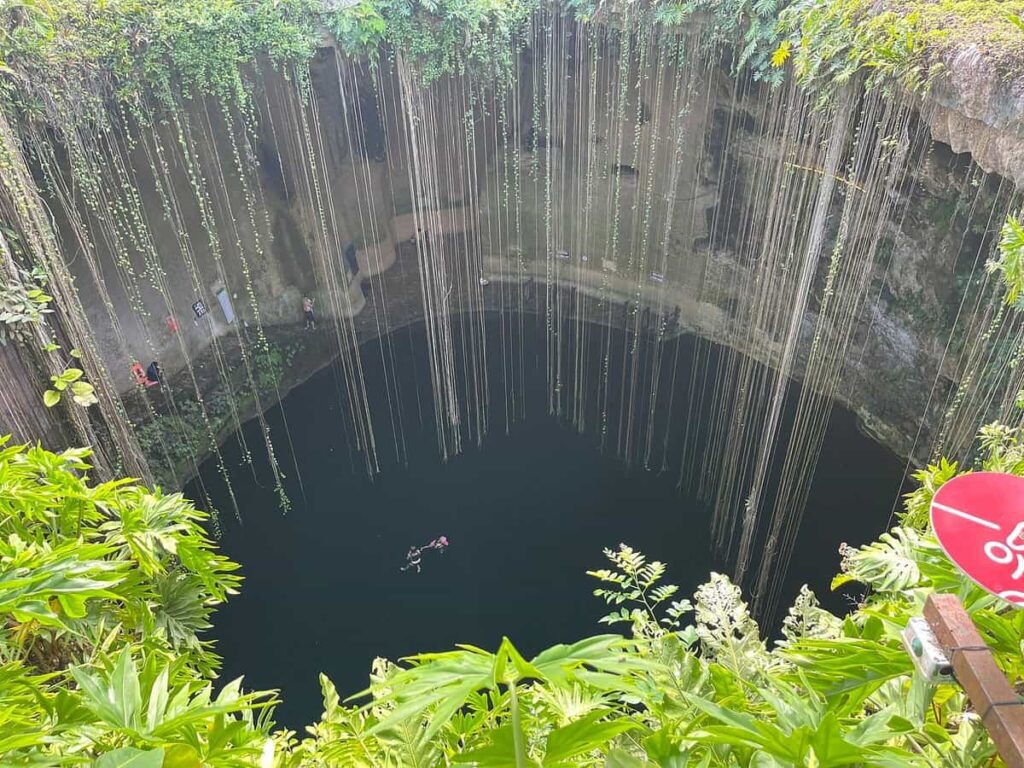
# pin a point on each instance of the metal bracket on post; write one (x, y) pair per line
(1000, 707)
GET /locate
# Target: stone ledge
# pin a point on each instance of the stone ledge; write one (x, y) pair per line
(974, 109)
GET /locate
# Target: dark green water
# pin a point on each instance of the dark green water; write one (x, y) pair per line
(526, 516)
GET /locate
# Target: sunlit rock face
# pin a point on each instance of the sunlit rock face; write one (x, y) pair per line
(976, 109)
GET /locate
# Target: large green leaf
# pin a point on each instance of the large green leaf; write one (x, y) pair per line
(586, 734)
(887, 565)
(129, 757)
(31, 576)
(847, 667)
(620, 758)
(604, 662)
(498, 752)
(441, 683)
(125, 691)
(182, 756)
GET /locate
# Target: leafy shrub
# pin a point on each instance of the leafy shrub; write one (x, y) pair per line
(106, 589)
(900, 43)
(22, 303)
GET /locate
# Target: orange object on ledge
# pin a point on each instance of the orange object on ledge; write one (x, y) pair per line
(140, 375)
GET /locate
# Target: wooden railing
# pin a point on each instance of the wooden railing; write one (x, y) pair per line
(993, 698)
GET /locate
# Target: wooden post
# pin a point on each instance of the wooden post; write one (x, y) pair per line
(994, 699)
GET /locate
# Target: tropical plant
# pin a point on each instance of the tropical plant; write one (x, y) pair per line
(105, 590)
(437, 36)
(23, 303)
(903, 43)
(70, 381)
(635, 582)
(1009, 263)
(749, 27)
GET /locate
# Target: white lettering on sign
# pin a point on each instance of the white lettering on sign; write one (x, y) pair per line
(978, 519)
(1006, 552)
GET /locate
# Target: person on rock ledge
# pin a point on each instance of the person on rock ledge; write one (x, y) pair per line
(307, 310)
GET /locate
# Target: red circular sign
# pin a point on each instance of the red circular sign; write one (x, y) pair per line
(979, 520)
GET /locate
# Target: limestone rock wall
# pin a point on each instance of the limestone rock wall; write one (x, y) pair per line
(323, 188)
(975, 109)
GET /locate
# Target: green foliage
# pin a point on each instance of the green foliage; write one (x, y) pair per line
(61, 59)
(105, 588)
(102, 590)
(903, 42)
(792, 725)
(835, 691)
(806, 619)
(888, 564)
(71, 55)
(1009, 263)
(437, 36)
(727, 632)
(359, 27)
(635, 583)
(70, 381)
(750, 27)
(23, 303)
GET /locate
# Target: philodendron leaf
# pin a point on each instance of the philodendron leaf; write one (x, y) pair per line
(51, 398)
(129, 757)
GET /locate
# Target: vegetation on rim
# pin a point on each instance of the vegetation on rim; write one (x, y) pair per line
(904, 43)
(66, 56)
(105, 591)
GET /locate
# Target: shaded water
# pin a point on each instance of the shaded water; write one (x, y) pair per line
(526, 516)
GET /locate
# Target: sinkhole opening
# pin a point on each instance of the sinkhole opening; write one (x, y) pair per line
(526, 513)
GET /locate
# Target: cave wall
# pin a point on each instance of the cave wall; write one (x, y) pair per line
(975, 108)
(345, 187)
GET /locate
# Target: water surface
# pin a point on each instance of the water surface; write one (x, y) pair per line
(526, 515)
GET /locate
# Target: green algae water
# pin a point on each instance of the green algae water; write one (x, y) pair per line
(526, 515)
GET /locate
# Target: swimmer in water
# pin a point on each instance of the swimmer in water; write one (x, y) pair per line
(413, 559)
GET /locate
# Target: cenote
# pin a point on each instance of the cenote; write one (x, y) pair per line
(290, 289)
(527, 514)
